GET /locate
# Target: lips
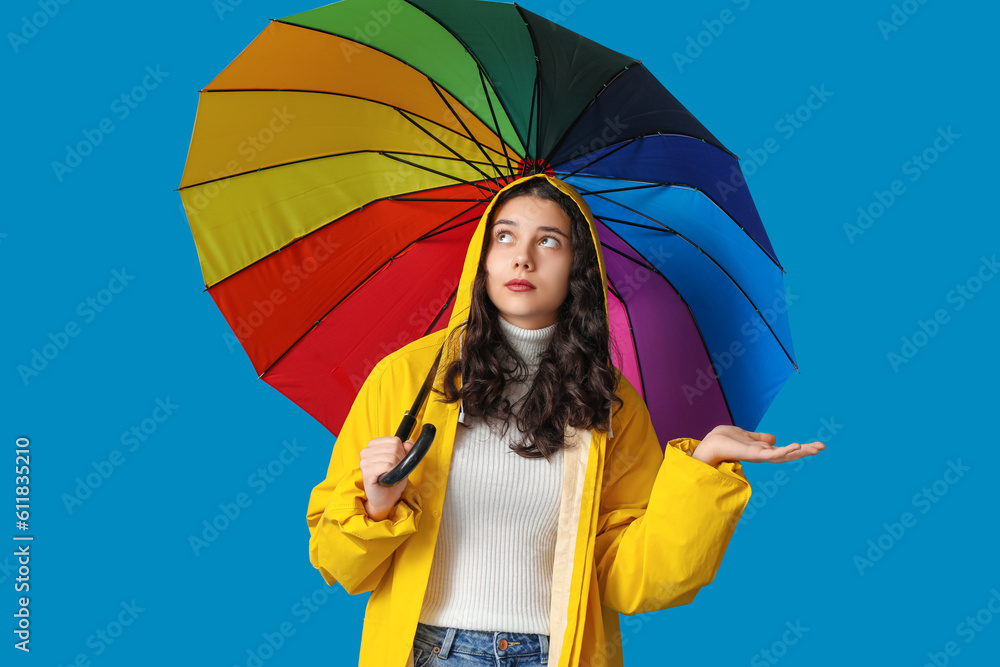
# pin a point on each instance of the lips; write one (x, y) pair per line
(520, 285)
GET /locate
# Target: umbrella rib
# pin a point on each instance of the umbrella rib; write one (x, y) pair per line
(619, 179)
(686, 305)
(386, 53)
(635, 348)
(676, 233)
(453, 151)
(366, 99)
(313, 231)
(690, 187)
(441, 312)
(479, 65)
(531, 113)
(332, 155)
(493, 113)
(536, 100)
(644, 186)
(625, 143)
(583, 111)
(308, 159)
(611, 152)
(371, 275)
(600, 92)
(638, 224)
(433, 171)
(503, 144)
(404, 198)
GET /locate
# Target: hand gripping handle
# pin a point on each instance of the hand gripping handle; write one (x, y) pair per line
(412, 458)
(423, 443)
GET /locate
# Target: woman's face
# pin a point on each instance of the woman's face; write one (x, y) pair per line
(530, 241)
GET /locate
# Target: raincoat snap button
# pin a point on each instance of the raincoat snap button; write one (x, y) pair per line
(503, 644)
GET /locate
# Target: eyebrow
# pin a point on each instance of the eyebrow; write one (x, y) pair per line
(505, 221)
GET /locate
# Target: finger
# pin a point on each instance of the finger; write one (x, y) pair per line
(786, 453)
(389, 460)
(762, 437)
(799, 451)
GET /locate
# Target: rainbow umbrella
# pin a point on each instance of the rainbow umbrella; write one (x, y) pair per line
(339, 165)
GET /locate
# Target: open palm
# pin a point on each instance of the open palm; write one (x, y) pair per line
(732, 443)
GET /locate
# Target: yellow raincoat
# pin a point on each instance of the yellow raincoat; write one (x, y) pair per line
(640, 528)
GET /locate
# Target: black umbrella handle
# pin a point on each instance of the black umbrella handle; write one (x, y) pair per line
(423, 443)
(413, 457)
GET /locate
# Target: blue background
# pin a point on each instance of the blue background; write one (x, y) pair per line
(793, 560)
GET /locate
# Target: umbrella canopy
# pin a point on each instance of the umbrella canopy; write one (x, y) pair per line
(339, 165)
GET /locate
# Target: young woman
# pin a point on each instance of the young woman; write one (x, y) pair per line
(562, 508)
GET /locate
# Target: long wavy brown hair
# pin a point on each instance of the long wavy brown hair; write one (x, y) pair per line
(575, 384)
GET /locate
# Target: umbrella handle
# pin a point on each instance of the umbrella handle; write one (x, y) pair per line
(413, 457)
(423, 443)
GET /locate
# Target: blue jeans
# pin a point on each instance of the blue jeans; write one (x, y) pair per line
(434, 645)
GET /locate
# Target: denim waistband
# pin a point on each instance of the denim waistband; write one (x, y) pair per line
(495, 644)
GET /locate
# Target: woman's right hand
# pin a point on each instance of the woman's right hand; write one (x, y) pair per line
(380, 456)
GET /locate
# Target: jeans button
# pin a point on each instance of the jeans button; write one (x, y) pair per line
(503, 644)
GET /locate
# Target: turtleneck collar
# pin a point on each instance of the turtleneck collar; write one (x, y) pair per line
(529, 343)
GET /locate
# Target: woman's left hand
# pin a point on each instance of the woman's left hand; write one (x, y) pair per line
(732, 443)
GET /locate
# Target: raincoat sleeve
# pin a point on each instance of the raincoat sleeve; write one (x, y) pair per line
(665, 518)
(345, 544)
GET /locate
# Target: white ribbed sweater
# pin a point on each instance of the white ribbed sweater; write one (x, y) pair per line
(492, 567)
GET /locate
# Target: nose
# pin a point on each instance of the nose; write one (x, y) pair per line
(522, 259)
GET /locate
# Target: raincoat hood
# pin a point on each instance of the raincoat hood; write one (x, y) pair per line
(464, 295)
(641, 527)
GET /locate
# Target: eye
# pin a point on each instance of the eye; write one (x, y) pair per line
(554, 239)
(499, 234)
